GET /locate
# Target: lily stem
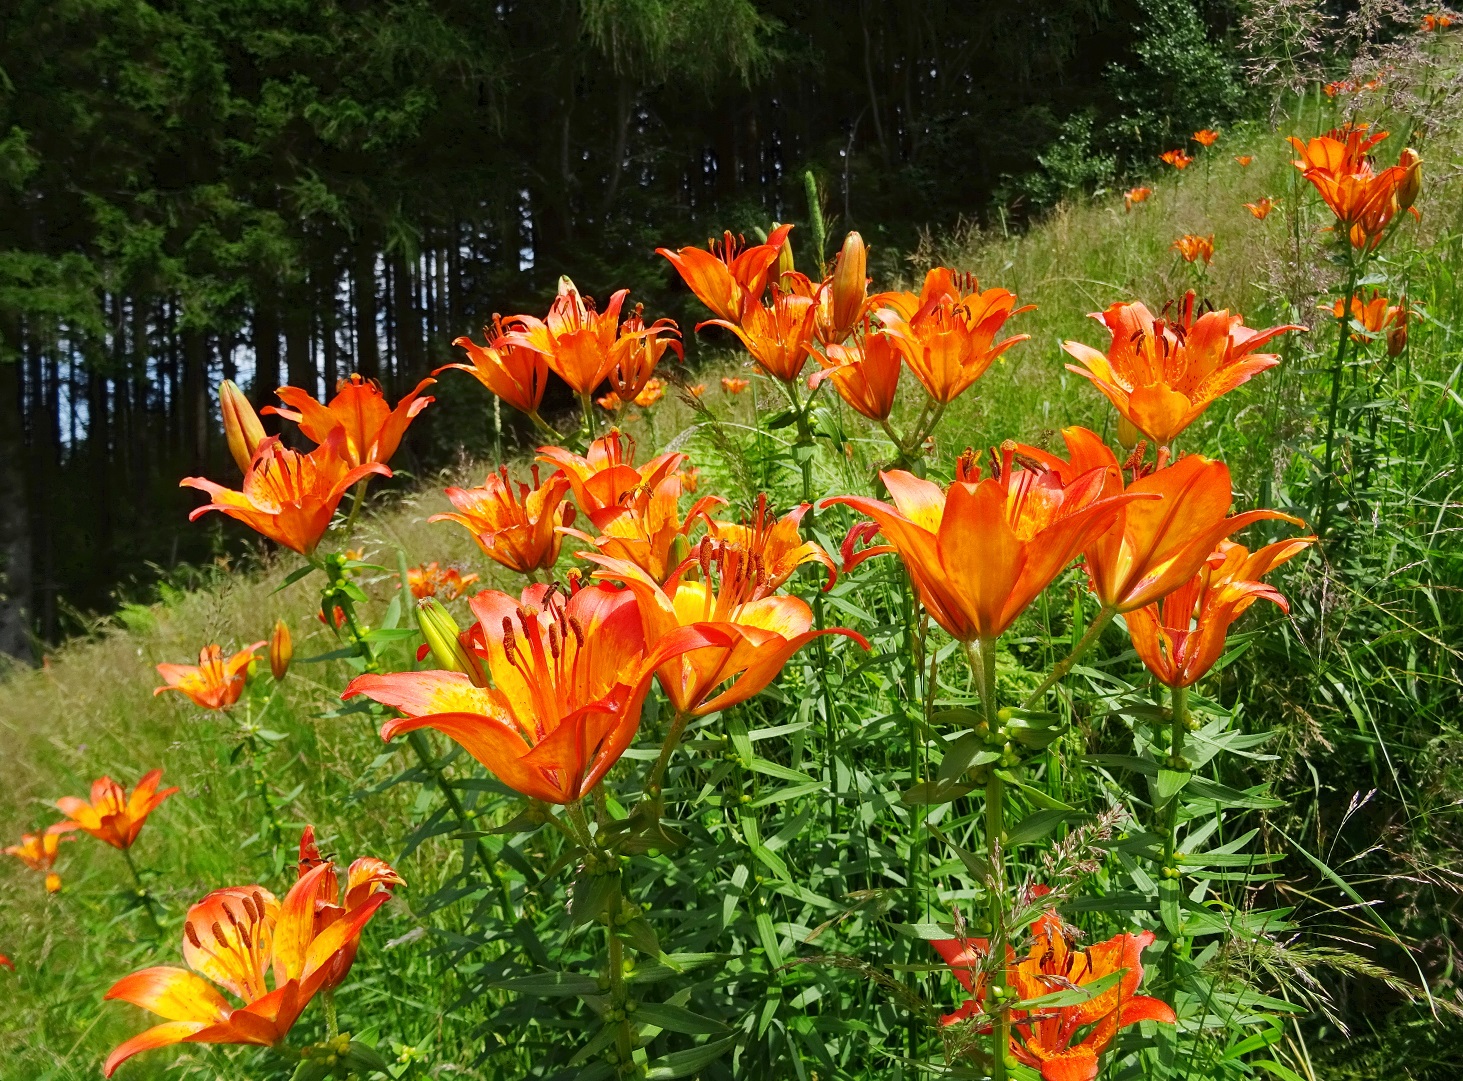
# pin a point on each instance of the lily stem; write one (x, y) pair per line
(357, 499)
(672, 741)
(423, 749)
(982, 655)
(1338, 366)
(1170, 871)
(332, 1026)
(1063, 666)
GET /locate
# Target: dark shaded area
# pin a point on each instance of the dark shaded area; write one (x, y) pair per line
(293, 190)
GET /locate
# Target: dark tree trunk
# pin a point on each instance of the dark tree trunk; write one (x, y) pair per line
(368, 354)
(15, 525)
(266, 350)
(194, 411)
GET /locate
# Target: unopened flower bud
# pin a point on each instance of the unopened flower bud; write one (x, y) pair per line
(680, 551)
(1127, 433)
(53, 883)
(1397, 336)
(281, 650)
(241, 423)
(850, 286)
(444, 639)
(1411, 185)
(784, 257)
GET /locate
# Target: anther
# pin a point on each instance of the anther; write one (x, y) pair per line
(191, 934)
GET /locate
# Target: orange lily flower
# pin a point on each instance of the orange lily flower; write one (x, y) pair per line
(242, 428)
(1161, 540)
(981, 551)
(235, 937)
(1261, 209)
(1431, 24)
(432, 580)
(372, 430)
(725, 278)
(644, 528)
(1180, 638)
(697, 389)
(1364, 201)
(758, 632)
(607, 472)
(865, 374)
(509, 366)
(287, 496)
(732, 385)
(1245, 160)
(336, 620)
(518, 530)
(1177, 158)
(1133, 196)
(569, 678)
(1194, 248)
(6, 962)
(776, 547)
(281, 650)
(637, 351)
(112, 815)
(213, 683)
(1205, 137)
(1374, 315)
(38, 851)
(1162, 374)
(777, 335)
(949, 342)
(367, 877)
(1045, 1038)
(579, 341)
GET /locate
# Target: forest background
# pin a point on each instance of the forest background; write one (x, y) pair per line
(289, 190)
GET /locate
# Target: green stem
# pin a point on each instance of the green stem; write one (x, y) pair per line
(357, 499)
(982, 656)
(332, 1026)
(423, 749)
(1063, 666)
(615, 965)
(587, 406)
(142, 893)
(1170, 872)
(1338, 366)
(672, 741)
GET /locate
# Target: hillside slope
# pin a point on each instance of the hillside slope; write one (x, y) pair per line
(90, 709)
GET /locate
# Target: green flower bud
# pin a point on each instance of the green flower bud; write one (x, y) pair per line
(444, 638)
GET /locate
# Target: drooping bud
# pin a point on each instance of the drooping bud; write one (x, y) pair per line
(1411, 185)
(1397, 336)
(784, 256)
(1127, 433)
(241, 423)
(850, 285)
(53, 883)
(281, 650)
(444, 639)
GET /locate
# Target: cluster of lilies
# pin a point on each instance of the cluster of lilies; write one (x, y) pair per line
(545, 687)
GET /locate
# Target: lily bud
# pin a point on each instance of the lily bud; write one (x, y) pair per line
(241, 423)
(784, 256)
(850, 284)
(680, 551)
(444, 639)
(53, 883)
(281, 650)
(1411, 185)
(1397, 336)
(1127, 433)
